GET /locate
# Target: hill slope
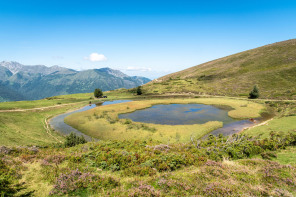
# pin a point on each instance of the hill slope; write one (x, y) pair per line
(271, 67)
(19, 82)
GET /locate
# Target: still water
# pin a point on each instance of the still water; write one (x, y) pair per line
(179, 114)
(58, 124)
(187, 114)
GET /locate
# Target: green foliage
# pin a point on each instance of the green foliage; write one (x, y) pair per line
(9, 176)
(254, 93)
(6, 180)
(138, 158)
(242, 146)
(73, 140)
(139, 90)
(268, 155)
(98, 93)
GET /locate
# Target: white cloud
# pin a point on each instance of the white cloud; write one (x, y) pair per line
(95, 57)
(142, 69)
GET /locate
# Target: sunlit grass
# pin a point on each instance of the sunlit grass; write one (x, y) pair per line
(53, 101)
(27, 128)
(34, 179)
(287, 156)
(283, 124)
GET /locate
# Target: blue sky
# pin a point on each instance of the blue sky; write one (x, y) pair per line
(147, 38)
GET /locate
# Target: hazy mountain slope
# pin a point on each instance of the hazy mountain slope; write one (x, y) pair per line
(271, 67)
(6, 93)
(20, 82)
(5, 73)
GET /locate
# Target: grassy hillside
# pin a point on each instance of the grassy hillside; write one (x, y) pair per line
(271, 67)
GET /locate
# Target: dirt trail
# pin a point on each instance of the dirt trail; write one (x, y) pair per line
(48, 131)
(39, 108)
(189, 94)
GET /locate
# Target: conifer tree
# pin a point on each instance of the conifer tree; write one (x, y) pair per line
(254, 93)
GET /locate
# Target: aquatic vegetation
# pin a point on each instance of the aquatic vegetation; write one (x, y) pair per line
(105, 125)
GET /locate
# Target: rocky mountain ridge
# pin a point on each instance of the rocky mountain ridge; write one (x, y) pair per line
(19, 82)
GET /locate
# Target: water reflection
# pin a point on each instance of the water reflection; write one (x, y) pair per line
(179, 114)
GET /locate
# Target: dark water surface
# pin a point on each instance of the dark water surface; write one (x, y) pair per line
(179, 114)
(58, 124)
(187, 114)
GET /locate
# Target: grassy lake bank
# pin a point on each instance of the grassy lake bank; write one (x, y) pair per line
(103, 122)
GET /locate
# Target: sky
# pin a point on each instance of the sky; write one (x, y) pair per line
(146, 38)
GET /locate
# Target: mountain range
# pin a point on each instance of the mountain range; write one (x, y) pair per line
(20, 82)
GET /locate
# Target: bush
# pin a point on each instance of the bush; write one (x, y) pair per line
(268, 155)
(98, 93)
(76, 180)
(73, 140)
(9, 179)
(139, 90)
(254, 93)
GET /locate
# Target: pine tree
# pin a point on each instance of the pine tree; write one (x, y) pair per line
(254, 93)
(139, 90)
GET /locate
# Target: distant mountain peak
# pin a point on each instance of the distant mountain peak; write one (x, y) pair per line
(110, 71)
(39, 81)
(14, 67)
(56, 66)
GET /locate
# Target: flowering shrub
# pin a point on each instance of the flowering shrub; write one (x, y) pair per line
(217, 189)
(143, 190)
(76, 180)
(53, 159)
(200, 168)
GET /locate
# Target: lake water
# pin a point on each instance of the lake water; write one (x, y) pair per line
(58, 124)
(188, 114)
(179, 114)
(172, 114)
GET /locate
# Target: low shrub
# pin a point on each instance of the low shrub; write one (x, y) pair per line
(268, 155)
(75, 180)
(9, 181)
(73, 140)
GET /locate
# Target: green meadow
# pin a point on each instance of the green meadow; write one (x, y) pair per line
(29, 127)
